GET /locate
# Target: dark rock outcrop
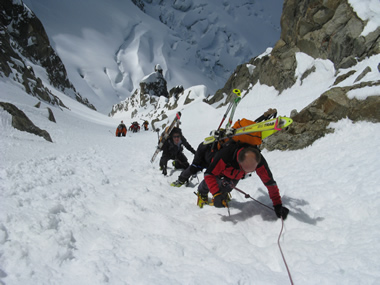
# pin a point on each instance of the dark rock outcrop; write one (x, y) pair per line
(322, 29)
(21, 122)
(51, 115)
(154, 83)
(133, 103)
(139, 4)
(312, 122)
(176, 91)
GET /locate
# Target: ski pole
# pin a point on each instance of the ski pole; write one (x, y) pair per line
(225, 114)
(232, 105)
(235, 103)
(248, 196)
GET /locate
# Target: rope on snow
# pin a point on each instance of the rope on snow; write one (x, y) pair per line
(279, 236)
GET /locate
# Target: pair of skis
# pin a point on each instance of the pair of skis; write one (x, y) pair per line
(165, 134)
(266, 128)
(267, 124)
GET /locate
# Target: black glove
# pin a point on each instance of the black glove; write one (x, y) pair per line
(281, 211)
(220, 200)
(164, 170)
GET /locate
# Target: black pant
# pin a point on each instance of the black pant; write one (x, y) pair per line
(225, 185)
(180, 159)
(202, 159)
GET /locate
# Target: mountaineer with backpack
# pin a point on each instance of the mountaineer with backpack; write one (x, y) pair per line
(121, 129)
(146, 124)
(236, 157)
(232, 163)
(205, 152)
(202, 159)
(135, 127)
(173, 149)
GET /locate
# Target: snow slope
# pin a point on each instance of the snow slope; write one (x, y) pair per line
(91, 209)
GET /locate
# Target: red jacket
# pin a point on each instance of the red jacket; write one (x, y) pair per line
(225, 164)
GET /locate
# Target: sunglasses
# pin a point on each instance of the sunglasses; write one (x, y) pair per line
(176, 137)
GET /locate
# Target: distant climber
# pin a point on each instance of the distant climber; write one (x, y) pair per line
(121, 130)
(135, 127)
(146, 124)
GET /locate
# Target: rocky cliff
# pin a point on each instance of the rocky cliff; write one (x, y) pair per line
(24, 43)
(321, 29)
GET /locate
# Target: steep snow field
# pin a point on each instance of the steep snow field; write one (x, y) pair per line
(91, 209)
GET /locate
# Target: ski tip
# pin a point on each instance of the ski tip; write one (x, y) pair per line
(284, 122)
(281, 123)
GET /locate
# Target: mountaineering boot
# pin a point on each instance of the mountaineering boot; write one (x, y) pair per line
(202, 199)
(177, 183)
(221, 200)
(180, 181)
